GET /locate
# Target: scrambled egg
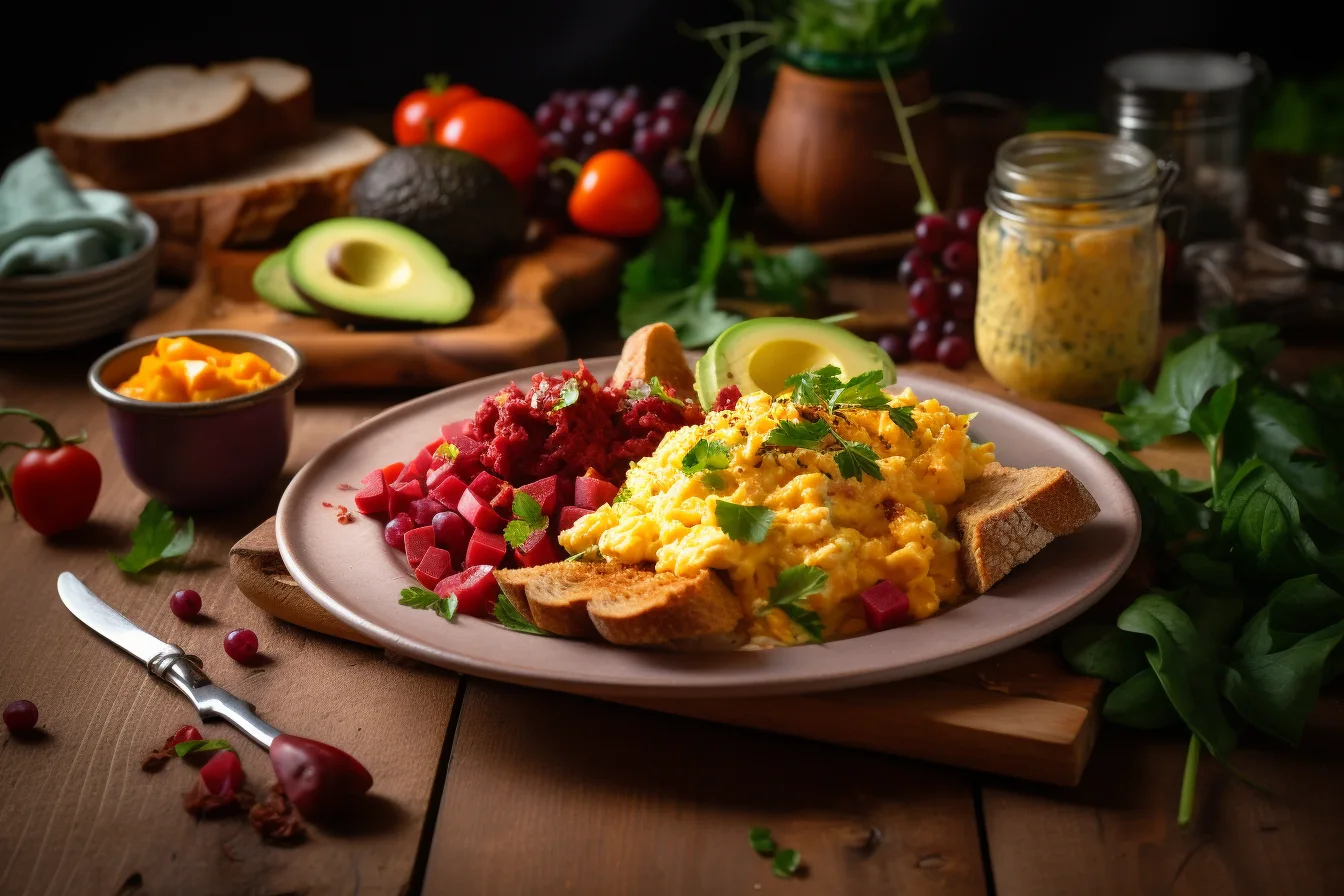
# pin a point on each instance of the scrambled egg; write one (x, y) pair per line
(859, 531)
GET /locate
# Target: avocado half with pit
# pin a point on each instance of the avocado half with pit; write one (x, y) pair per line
(760, 354)
(270, 281)
(364, 271)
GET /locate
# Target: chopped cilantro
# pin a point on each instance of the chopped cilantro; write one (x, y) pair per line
(200, 746)
(713, 480)
(761, 841)
(786, 863)
(418, 598)
(743, 523)
(622, 496)
(815, 387)
(447, 608)
(905, 419)
(447, 450)
(156, 537)
(528, 518)
(794, 585)
(855, 459)
(658, 390)
(705, 454)
(823, 388)
(799, 435)
(509, 617)
(641, 390)
(569, 394)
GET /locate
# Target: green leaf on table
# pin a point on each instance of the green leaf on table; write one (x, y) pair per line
(799, 434)
(1216, 617)
(786, 863)
(1187, 668)
(743, 523)
(1261, 519)
(507, 615)
(528, 518)
(200, 746)
(1325, 389)
(794, 586)
(1276, 692)
(1119, 457)
(1105, 652)
(761, 841)
(706, 454)
(157, 536)
(783, 278)
(1294, 610)
(1185, 378)
(1208, 572)
(1140, 702)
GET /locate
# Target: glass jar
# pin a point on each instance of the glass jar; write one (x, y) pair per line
(1071, 265)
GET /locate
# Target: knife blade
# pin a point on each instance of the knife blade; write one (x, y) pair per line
(163, 660)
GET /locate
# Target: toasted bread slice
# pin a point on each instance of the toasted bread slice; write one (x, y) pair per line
(555, 597)
(655, 351)
(1008, 515)
(658, 607)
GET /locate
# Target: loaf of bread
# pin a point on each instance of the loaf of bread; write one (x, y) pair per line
(288, 92)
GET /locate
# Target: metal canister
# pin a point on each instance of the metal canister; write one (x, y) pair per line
(1193, 108)
(1312, 213)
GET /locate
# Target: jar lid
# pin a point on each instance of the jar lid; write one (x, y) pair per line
(1074, 166)
(1178, 89)
(1320, 182)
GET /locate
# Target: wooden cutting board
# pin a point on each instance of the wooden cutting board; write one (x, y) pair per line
(513, 324)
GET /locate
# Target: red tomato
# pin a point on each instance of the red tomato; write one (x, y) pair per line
(55, 488)
(501, 134)
(422, 110)
(615, 196)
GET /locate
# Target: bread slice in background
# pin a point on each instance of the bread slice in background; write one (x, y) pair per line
(159, 127)
(288, 92)
(1008, 516)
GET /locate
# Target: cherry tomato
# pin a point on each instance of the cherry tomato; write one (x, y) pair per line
(501, 134)
(422, 110)
(615, 196)
(54, 485)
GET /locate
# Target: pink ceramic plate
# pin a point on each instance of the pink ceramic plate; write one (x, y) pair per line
(350, 571)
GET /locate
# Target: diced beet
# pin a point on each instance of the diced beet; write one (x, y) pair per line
(392, 471)
(436, 564)
(885, 606)
(400, 496)
(487, 485)
(434, 445)
(592, 493)
(566, 493)
(452, 533)
(394, 533)
(485, 548)
(475, 588)
(571, 515)
(223, 774)
(540, 548)
(476, 510)
(370, 477)
(418, 541)
(424, 510)
(372, 498)
(545, 492)
(502, 503)
(452, 430)
(421, 463)
(448, 489)
(406, 475)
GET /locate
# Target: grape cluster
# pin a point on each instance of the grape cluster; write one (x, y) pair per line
(940, 273)
(576, 124)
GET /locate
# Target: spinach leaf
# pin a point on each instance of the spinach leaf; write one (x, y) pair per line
(157, 536)
(1140, 702)
(1325, 389)
(1186, 377)
(1215, 617)
(1276, 692)
(1261, 519)
(1294, 610)
(1105, 652)
(1186, 667)
(1170, 478)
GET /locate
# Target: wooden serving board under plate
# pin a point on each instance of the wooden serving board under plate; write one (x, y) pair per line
(514, 324)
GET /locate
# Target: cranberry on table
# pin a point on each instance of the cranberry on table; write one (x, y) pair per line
(186, 733)
(932, 233)
(926, 298)
(954, 352)
(967, 222)
(21, 715)
(241, 644)
(185, 604)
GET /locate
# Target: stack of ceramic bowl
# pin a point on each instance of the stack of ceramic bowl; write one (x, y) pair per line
(52, 310)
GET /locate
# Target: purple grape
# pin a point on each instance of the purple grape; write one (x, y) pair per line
(593, 117)
(613, 133)
(895, 345)
(647, 146)
(603, 98)
(673, 100)
(574, 100)
(961, 297)
(394, 533)
(675, 174)
(914, 265)
(671, 127)
(636, 93)
(623, 111)
(572, 122)
(954, 327)
(548, 115)
(643, 118)
(554, 145)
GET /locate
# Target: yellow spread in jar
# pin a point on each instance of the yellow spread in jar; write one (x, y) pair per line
(183, 369)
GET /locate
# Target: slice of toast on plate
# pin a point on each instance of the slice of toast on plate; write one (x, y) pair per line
(555, 597)
(655, 351)
(1008, 516)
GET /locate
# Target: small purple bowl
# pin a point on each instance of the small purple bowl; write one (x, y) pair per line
(201, 455)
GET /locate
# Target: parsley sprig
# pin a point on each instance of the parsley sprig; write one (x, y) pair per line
(794, 585)
(528, 518)
(418, 598)
(508, 616)
(823, 388)
(705, 455)
(641, 390)
(786, 862)
(569, 394)
(156, 537)
(741, 522)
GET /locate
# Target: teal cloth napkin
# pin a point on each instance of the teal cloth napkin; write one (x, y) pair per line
(49, 227)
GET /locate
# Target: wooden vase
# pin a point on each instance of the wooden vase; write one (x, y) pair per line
(817, 159)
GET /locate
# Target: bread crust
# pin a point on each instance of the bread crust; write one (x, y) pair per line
(287, 120)
(654, 350)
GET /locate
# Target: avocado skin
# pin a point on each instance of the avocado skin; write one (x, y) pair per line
(459, 202)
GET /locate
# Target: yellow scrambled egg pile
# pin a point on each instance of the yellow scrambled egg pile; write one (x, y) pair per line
(859, 531)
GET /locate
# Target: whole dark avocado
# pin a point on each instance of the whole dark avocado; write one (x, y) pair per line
(459, 202)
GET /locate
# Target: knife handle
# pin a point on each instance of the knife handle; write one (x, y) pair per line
(211, 701)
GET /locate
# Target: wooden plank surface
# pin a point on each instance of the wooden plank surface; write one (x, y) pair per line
(77, 815)
(549, 793)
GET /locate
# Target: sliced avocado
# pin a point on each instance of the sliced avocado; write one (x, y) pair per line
(270, 281)
(365, 271)
(459, 202)
(760, 354)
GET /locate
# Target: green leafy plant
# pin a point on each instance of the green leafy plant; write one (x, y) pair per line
(1246, 624)
(527, 518)
(789, 592)
(418, 598)
(157, 536)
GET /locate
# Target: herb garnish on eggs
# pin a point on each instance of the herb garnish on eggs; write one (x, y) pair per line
(795, 585)
(743, 523)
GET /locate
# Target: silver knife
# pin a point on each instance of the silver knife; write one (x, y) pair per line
(165, 661)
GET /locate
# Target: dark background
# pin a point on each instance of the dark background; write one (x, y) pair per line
(366, 53)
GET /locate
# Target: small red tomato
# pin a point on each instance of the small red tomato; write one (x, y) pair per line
(501, 134)
(615, 196)
(55, 488)
(421, 111)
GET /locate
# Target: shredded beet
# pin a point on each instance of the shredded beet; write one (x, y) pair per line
(347, 487)
(527, 437)
(343, 515)
(157, 759)
(276, 819)
(726, 398)
(326, 504)
(199, 801)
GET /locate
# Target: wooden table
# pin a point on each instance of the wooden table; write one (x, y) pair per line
(490, 788)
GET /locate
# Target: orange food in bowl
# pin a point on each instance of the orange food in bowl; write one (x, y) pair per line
(183, 369)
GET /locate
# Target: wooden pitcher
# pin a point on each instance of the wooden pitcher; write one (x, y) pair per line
(817, 158)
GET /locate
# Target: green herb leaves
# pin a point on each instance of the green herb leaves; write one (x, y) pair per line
(508, 616)
(761, 841)
(156, 537)
(418, 598)
(742, 523)
(448, 451)
(794, 586)
(905, 419)
(569, 394)
(642, 390)
(528, 518)
(823, 388)
(785, 863)
(200, 746)
(855, 460)
(799, 435)
(705, 455)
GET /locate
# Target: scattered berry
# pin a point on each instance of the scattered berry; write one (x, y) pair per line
(932, 233)
(241, 644)
(926, 298)
(185, 604)
(223, 774)
(954, 351)
(186, 733)
(21, 715)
